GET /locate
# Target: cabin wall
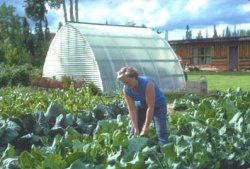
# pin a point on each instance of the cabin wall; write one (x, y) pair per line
(244, 55)
(185, 53)
(219, 54)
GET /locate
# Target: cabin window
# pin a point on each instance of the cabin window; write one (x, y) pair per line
(201, 55)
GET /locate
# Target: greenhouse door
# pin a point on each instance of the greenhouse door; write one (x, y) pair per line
(233, 58)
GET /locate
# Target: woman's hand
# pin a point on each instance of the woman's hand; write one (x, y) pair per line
(136, 132)
(145, 131)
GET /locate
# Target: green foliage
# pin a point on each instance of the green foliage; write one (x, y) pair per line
(40, 50)
(67, 81)
(56, 122)
(12, 47)
(14, 75)
(35, 9)
(212, 132)
(93, 89)
(16, 56)
(178, 97)
(19, 100)
(18, 45)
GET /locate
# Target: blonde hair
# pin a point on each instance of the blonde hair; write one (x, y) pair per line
(127, 72)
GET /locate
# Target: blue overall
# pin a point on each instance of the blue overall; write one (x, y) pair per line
(160, 110)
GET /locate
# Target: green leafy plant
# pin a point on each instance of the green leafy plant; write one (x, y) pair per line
(74, 128)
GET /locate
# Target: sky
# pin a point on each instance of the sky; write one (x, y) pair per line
(164, 15)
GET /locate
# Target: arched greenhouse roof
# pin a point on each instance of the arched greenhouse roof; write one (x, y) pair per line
(95, 52)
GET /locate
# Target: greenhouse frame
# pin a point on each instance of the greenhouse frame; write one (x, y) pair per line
(95, 52)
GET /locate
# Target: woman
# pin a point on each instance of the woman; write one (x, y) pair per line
(146, 102)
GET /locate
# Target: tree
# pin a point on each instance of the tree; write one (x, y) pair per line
(188, 33)
(56, 4)
(47, 31)
(228, 32)
(65, 10)
(215, 32)
(199, 36)
(27, 36)
(76, 10)
(12, 37)
(9, 23)
(14, 55)
(235, 31)
(71, 10)
(35, 9)
(25, 30)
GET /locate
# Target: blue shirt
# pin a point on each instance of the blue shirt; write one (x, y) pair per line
(141, 94)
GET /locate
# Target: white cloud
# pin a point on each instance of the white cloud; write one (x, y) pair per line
(138, 11)
(246, 8)
(160, 18)
(96, 14)
(129, 11)
(171, 14)
(177, 34)
(193, 6)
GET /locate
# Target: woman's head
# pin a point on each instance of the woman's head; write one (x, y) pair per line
(126, 75)
(127, 72)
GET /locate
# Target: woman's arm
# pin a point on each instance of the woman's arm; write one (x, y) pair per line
(150, 99)
(132, 113)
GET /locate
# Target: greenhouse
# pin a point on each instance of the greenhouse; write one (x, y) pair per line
(95, 52)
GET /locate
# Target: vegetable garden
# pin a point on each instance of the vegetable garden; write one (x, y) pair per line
(77, 129)
(74, 129)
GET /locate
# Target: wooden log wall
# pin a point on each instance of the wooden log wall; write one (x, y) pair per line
(220, 54)
(244, 56)
(185, 53)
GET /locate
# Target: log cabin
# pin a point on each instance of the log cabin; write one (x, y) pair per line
(218, 54)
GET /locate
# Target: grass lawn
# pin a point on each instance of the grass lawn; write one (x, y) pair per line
(223, 80)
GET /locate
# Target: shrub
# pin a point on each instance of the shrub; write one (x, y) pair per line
(93, 89)
(44, 82)
(15, 75)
